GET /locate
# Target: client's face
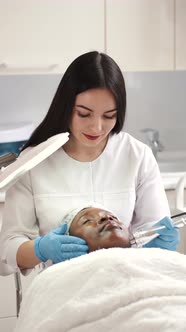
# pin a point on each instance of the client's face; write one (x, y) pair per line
(100, 229)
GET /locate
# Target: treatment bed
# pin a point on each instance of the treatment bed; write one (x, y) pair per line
(110, 290)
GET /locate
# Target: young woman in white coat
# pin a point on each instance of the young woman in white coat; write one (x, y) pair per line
(99, 163)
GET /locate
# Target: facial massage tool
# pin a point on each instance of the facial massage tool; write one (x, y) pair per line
(148, 232)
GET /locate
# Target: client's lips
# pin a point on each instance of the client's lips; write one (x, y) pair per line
(109, 226)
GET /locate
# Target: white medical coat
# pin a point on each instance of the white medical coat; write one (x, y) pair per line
(125, 178)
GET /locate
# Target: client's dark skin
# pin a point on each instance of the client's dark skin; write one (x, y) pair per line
(100, 229)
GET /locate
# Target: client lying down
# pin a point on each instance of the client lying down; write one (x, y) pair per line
(116, 289)
(98, 227)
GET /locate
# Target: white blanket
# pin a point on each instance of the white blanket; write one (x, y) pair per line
(113, 290)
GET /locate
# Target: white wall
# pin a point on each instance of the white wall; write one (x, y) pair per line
(156, 100)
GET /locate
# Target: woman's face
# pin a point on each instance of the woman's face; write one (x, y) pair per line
(100, 229)
(94, 116)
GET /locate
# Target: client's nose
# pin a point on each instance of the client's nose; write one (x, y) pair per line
(105, 218)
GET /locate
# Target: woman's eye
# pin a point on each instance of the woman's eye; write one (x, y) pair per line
(81, 115)
(110, 117)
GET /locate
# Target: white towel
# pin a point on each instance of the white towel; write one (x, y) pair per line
(110, 290)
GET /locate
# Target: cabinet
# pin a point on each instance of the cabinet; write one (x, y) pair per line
(7, 304)
(140, 34)
(46, 35)
(8, 309)
(7, 324)
(180, 34)
(8, 296)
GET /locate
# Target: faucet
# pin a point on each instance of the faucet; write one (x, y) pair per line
(152, 139)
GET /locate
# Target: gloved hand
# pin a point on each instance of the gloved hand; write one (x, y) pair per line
(59, 247)
(169, 237)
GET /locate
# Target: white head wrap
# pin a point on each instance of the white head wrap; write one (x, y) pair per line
(68, 218)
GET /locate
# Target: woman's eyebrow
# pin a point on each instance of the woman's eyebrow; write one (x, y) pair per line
(89, 109)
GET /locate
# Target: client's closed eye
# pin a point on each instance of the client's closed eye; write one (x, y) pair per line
(85, 221)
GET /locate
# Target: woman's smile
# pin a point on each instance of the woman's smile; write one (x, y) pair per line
(90, 137)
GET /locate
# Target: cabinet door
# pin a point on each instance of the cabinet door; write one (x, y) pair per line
(140, 34)
(180, 34)
(1, 213)
(7, 324)
(46, 35)
(7, 296)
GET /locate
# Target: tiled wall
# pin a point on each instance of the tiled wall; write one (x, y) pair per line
(156, 100)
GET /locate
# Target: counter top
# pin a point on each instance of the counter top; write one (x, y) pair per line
(170, 180)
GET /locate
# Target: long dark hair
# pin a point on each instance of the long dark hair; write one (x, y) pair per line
(88, 71)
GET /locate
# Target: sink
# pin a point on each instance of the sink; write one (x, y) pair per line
(172, 161)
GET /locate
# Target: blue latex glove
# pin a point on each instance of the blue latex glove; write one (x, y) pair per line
(169, 237)
(59, 247)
